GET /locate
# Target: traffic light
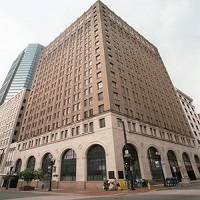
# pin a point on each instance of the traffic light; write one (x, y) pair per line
(131, 159)
(126, 162)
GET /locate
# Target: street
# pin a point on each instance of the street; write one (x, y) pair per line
(191, 192)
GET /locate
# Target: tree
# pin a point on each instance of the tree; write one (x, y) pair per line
(30, 174)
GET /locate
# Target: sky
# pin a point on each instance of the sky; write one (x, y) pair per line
(173, 26)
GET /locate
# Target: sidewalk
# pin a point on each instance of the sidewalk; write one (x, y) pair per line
(89, 192)
(98, 192)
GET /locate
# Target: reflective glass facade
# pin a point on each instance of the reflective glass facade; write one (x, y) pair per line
(21, 73)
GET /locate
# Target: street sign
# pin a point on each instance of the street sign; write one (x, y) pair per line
(157, 163)
(163, 163)
(174, 169)
(126, 151)
(127, 155)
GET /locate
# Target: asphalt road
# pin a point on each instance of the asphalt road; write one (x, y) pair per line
(191, 192)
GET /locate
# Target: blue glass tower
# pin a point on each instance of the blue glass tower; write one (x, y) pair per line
(21, 72)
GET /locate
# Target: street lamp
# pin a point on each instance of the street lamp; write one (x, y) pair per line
(127, 155)
(1, 155)
(9, 175)
(160, 162)
(52, 162)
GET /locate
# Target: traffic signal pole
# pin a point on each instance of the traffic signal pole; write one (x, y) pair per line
(129, 172)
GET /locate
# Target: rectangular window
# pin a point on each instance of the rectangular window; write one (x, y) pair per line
(101, 108)
(117, 108)
(86, 82)
(78, 130)
(99, 75)
(96, 37)
(90, 112)
(90, 101)
(112, 74)
(98, 57)
(97, 50)
(115, 96)
(85, 114)
(97, 43)
(78, 117)
(90, 80)
(99, 85)
(98, 65)
(114, 84)
(85, 102)
(85, 128)
(73, 131)
(119, 122)
(100, 96)
(129, 126)
(91, 127)
(86, 92)
(90, 90)
(111, 65)
(102, 123)
(78, 106)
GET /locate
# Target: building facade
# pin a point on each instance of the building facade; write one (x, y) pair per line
(11, 113)
(21, 72)
(94, 76)
(191, 114)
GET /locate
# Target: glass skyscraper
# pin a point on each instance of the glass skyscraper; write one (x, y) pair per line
(21, 72)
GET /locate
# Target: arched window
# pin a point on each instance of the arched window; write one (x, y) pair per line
(188, 166)
(156, 169)
(196, 158)
(46, 163)
(174, 165)
(18, 165)
(68, 166)
(134, 163)
(31, 163)
(96, 163)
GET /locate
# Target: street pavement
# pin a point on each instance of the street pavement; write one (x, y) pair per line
(71, 194)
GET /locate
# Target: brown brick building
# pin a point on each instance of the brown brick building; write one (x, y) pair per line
(97, 72)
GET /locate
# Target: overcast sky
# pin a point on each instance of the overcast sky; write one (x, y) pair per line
(173, 26)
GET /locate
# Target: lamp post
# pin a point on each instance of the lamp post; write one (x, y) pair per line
(127, 155)
(9, 175)
(1, 155)
(160, 162)
(52, 162)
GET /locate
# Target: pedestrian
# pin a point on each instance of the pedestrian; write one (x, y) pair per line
(106, 184)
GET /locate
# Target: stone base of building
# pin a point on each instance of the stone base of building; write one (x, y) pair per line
(63, 184)
(185, 181)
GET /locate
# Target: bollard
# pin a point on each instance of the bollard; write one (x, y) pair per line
(149, 186)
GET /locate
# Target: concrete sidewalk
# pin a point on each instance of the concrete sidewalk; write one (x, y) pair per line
(98, 192)
(88, 192)
(102, 192)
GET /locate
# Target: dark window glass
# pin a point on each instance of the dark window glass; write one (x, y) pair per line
(96, 163)
(31, 163)
(68, 166)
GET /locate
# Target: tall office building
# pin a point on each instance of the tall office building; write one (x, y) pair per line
(94, 77)
(21, 72)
